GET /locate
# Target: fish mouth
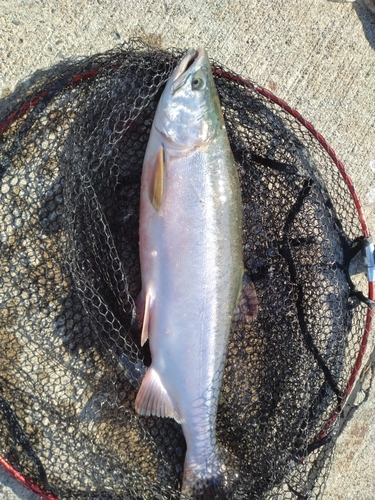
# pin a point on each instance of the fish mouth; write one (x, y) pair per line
(190, 61)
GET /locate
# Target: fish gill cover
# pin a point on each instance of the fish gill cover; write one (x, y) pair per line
(71, 153)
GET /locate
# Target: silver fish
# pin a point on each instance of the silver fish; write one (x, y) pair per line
(191, 263)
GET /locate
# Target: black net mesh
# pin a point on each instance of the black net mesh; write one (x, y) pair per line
(71, 155)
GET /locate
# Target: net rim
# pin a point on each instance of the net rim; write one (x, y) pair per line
(220, 73)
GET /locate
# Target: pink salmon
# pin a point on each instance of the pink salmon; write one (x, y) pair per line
(191, 264)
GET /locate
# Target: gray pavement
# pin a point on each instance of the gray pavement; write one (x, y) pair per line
(317, 55)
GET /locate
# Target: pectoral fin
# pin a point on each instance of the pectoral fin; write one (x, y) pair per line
(157, 183)
(247, 306)
(153, 399)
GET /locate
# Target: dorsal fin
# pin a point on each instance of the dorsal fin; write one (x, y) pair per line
(153, 399)
(157, 184)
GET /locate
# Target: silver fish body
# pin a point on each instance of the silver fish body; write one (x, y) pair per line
(191, 261)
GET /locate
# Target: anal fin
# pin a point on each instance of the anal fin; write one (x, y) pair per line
(153, 398)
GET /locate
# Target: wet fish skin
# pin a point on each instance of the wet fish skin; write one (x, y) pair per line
(191, 262)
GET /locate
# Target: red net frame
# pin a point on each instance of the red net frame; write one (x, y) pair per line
(219, 73)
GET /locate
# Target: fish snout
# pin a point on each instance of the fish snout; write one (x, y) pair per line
(192, 60)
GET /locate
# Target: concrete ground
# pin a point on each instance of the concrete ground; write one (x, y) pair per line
(317, 55)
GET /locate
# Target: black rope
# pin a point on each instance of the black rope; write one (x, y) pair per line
(285, 251)
(278, 166)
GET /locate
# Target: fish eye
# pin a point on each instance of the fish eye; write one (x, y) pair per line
(197, 83)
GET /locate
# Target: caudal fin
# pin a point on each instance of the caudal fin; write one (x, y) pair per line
(205, 482)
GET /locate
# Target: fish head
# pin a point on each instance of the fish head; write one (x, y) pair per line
(189, 112)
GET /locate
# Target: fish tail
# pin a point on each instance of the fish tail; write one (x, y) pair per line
(205, 481)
